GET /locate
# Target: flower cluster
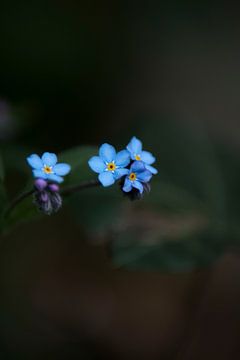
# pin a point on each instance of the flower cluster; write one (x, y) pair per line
(48, 174)
(132, 165)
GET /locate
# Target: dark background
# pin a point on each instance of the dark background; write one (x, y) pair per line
(82, 73)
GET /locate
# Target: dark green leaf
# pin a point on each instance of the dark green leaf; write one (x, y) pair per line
(2, 173)
(78, 159)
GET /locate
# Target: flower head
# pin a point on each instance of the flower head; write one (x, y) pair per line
(137, 178)
(110, 165)
(137, 154)
(46, 167)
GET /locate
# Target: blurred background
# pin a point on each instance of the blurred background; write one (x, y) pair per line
(106, 278)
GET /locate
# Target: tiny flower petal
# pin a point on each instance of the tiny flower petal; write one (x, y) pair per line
(119, 173)
(137, 185)
(62, 169)
(39, 174)
(106, 178)
(122, 158)
(55, 178)
(49, 159)
(144, 176)
(151, 169)
(107, 153)
(147, 157)
(134, 147)
(34, 161)
(138, 166)
(127, 187)
(97, 164)
(44, 196)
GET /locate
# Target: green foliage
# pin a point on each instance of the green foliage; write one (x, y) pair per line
(186, 221)
(78, 159)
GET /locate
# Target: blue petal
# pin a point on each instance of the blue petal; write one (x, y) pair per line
(135, 146)
(137, 166)
(107, 153)
(123, 158)
(151, 169)
(62, 169)
(39, 174)
(55, 178)
(136, 184)
(144, 176)
(49, 159)
(34, 161)
(127, 185)
(147, 157)
(106, 178)
(118, 173)
(96, 164)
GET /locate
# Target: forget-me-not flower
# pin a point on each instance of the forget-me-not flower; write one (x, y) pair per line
(110, 165)
(136, 177)
(137, 154)
(47, 168)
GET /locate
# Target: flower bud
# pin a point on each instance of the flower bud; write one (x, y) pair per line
(53, 188)
(56, 201)
(43, 202)
(40, 184)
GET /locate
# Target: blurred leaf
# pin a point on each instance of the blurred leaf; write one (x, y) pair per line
(78, 159)
(2, 173)
(24, 212)
(176, 255)
(187, 204)
(98, 210)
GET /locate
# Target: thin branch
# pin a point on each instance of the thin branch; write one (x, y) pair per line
(75, 188)
(16, 201)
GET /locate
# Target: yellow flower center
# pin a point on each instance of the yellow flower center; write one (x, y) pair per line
(132, 176)
(137, 157)
(111, 166)
(47, 169)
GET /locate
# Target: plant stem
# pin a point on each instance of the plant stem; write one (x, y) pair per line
(65, 192)
(75, 188)
(16, 201)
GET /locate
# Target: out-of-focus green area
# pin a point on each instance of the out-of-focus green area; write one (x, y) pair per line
(76, 74)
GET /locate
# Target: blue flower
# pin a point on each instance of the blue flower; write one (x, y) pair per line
(136, 177)
(110, 165)
(47, 168)
(136, 153)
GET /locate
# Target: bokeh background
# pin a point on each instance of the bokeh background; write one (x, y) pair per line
(106, 278)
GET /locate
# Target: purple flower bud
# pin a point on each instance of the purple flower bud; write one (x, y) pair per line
(40, 184)
(56, 201)
(53, 188)
(48, 202)
(43, 202)
(44, 196)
